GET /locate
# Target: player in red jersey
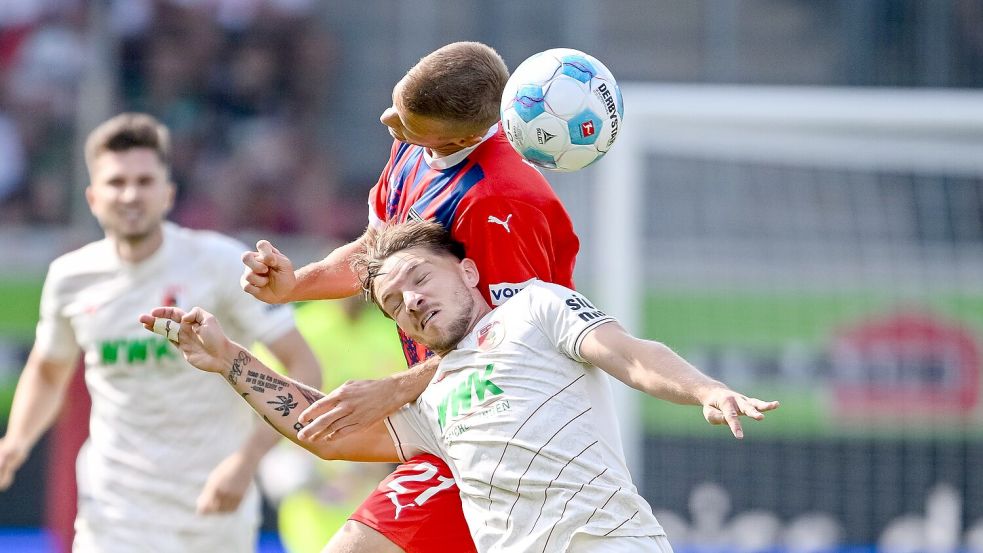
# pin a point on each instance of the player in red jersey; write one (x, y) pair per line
(450, 162)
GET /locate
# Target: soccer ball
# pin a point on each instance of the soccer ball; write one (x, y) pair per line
(562, 109)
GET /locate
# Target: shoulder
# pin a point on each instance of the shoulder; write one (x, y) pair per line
(204, 241)
(87, 258)
(540, 291)
(537, 295)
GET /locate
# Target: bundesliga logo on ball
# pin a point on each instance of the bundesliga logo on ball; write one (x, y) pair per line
(562, 109)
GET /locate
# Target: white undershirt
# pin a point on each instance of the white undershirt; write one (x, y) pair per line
(443, 162)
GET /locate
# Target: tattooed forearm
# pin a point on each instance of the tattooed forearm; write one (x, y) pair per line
(310, 394)
(259, 382)
(238, 363)
(276, 398)
(283, 404)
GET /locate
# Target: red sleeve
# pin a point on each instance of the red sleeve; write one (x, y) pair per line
(379, 194)
(512, 242)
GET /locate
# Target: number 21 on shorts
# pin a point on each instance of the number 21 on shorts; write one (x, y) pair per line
(403, 486)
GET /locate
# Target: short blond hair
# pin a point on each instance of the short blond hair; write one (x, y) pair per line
(127, 131)
(461, 83)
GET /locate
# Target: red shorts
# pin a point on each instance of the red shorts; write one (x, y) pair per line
(418, 507)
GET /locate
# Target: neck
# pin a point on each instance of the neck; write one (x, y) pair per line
(481, 308)
(136, 249)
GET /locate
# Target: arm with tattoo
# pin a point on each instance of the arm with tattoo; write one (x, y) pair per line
(276, 398)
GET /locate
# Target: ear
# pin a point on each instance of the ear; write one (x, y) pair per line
(89, 196)
(469, 272)
(469, 141)
(171, 193)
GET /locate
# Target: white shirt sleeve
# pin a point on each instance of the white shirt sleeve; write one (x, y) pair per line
(566, 317)
(54, 336)
(409, 432)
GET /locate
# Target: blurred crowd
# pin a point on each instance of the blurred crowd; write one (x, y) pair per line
(242, 84)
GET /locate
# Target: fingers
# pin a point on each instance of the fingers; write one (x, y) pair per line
(729, 409)
(172, 313)
(324, 425)
(764, 405)
(254, 279)
(255, 262)
(207, 503)
(267, 254)
(215, 502)
(6, 475)
(196, 315)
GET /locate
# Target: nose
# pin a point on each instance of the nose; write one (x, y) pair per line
(129, 193)
(412, 300)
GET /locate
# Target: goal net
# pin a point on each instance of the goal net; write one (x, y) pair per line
(819, 246)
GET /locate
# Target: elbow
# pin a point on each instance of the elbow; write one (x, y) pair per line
(323, 450)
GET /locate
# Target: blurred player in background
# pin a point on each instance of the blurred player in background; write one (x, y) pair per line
(519, 407)
(450, 161)
(152, 476)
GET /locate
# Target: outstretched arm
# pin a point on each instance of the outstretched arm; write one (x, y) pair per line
(37, 401)
(274, 397)
(270, 276)
(655, 369)
(229, 481)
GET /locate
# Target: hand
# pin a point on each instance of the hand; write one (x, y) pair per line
(226, 485)
(201, 338)
(269, 275)
(725, 406)
(12, 456)
(349, 408)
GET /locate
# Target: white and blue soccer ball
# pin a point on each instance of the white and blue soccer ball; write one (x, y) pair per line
(562, 109)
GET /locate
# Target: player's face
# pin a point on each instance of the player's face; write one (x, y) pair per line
(429, 296)
(436, 135)
(129, 193)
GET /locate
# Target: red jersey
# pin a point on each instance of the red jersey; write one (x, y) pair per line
(499, 207)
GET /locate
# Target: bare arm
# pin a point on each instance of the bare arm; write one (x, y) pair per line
(37, 401)
(270, 276)
(229, 481)
(360, 403)
(655, 369)
(274, 397)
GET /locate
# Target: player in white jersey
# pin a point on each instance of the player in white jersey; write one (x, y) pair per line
(520, 407)
(171, 455)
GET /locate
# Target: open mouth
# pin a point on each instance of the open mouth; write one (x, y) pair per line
(426, 320)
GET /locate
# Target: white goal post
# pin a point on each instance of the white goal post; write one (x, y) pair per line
(906, 130)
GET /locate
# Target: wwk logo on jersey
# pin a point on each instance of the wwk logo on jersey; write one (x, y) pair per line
(136, 351)
(505, 290)
(457, 402)
(577, 302)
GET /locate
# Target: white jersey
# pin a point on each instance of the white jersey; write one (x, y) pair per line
(529, 428)
(158, 426)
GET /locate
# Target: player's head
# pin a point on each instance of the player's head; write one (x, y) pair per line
(129, 190)
(418, 275)
(449, 99)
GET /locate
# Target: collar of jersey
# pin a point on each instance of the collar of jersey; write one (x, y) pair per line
(444, 162)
